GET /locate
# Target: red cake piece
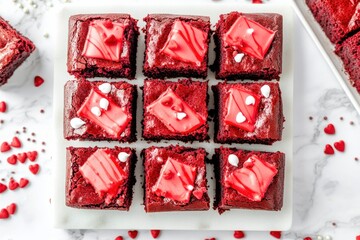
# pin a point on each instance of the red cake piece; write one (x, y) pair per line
(338, 18)
(248, 179)
(102, 45)
(248, 112)
(176, 46)
(14, 50)
(100, 178)
(248, 46)
(175, 179)
(175, 110)
(99, 111)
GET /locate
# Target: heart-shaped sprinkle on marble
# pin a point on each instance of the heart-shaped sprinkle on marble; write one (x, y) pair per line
(23, 182)
(123, 156)
(5, 147)
(240, 118)
(198, 193)
(155, 233)
(250, 100)
(307, 238)
(275, 234)
(3, 106)
(21, 157)
(32, 155)
(15, 142)
(233, 160)
(34, 169)
(12, 159)
(11, 208)
(105, 88)
(265, 91)
(96, 111)
(38, 81)
(4, 213)
(329, 129)
(76, 123)
(13, 185)
(238, 57)
(340, 146)
(3, 187)
(329, 149)
(239, 234)
(180, 115)
(119, 238)
(133, 234)
(104, 103)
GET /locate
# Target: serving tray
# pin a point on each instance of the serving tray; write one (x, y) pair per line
(136, 218)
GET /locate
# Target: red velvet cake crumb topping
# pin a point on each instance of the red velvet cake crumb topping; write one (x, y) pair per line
(175, 113)
(104, 40)
(176, 181)
(253, 179)
(103, 172)
(186, 43)
(249, 37)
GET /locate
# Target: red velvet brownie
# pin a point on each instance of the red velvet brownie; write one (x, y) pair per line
(248, 112)
(14, 49)
(338, 18)
(248, 179)
(248, 46)
(176, 46)
(102, 45)
(175, 179)
(100, 178)
(175, 110)
(349, 51)
(99, 111)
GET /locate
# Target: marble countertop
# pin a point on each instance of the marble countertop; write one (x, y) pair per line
(326, 188)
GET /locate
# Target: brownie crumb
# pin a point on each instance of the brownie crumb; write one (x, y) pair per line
(33, 140)
(43, 150)
(32, 134)
(356, 159)
(43, 143)
(28, 139)
(1, 121)
(334, 224)
(325, 118)
(311, 118)
(352, 123)
(42, 111)
(12, 172)
(341, 118)
(17, 132)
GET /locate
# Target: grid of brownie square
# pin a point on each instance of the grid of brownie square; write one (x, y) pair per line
(83, 163)
(192, 94)
(232, 63)
(228, 198)
(176, 46)
(92, 40)
(121, 101)
(171, 165)
(15, 48)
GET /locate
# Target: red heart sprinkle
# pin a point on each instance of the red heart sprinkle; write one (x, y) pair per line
(340, 146)
(155, 233)
(210, 238)
(12, 159)
(21, 157)
(4, 214)
(3, 187)
(198, 193)
(32, 155)
(358, 237)
(13, 185)
(11, 208)
(308, 238)
(23, 182)
(329, 149)
(257, 1)
(38, 81)
(133, 234)
(119, 238)
(239, 234)
(5, 147)
(2, 106)
(329, 129)
(276, 234)
(34, 168)
(16, 142)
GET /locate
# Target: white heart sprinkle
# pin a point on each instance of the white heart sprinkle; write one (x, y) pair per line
(250, 100)
(240, 118)
(123, 156)
(233, 160)
(238, 57)
(105, 88)
(265, 91)
(76, 123)
(180, 115)
(96, 111)
(104, 103)
(190, 187)
(250, 30)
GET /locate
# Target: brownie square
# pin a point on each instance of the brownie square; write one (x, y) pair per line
(338, 18)
(248, 179)
(14, 49)
(100, 178)
(102, 45)
(248, 46)
(100, 110)
(349, 51)
(248, 112)
(175, 110)
(176, 45)
(175, 179)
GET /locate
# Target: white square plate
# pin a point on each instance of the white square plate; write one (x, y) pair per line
(136, 218)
